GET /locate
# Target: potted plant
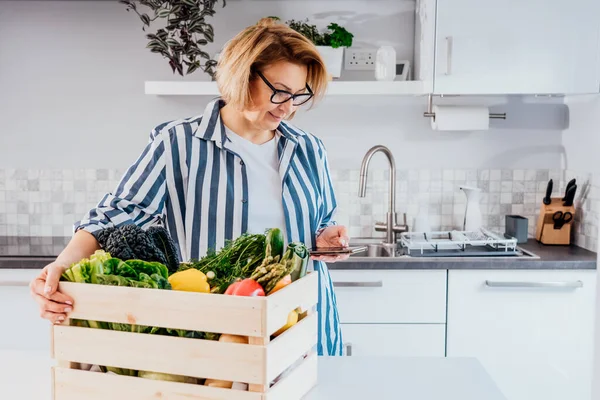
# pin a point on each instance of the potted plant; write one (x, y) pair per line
(330, 43)
(184, 34)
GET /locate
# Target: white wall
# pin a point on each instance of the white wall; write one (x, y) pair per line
(582, 144)
(582, 139)
(72, 79)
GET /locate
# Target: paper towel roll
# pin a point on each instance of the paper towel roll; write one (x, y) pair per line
(460, 118)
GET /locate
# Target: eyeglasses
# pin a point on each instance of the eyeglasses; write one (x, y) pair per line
(282, 96)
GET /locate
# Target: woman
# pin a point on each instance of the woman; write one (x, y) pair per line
(236, 168)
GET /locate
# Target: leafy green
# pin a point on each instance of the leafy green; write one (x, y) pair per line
(298, 255)
(237, 259)
(102, 269)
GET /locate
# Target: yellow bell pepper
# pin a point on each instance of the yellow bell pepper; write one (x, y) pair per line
(190, 280)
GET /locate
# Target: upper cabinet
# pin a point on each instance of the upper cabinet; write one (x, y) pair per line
(516, 46)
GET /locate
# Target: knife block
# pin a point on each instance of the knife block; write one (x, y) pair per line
(546, 234)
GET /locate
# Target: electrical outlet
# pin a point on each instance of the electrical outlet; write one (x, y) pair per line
(358, 59)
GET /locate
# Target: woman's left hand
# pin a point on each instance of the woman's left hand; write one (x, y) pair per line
(333, 236)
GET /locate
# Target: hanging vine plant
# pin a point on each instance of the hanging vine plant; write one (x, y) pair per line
(186, 31)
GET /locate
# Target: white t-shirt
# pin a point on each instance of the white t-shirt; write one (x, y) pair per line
(265, 204)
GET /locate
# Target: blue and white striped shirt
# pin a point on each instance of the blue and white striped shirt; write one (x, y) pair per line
(188, 179)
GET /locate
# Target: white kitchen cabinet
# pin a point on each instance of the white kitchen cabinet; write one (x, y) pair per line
(517, 47)
(400, 340)
(531, 330)
(392, 312)
(390, 296)
(22, 326)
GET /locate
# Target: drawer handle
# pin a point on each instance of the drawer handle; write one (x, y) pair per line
(359, 284)
(574, 284)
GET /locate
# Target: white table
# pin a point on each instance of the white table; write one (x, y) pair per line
(380, 378)
(25, 375)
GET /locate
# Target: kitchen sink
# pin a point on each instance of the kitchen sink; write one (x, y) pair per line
(375, 248)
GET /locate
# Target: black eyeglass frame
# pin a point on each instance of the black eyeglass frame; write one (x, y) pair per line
(292, 96)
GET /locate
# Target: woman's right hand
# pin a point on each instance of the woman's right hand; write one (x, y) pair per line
(54, 305)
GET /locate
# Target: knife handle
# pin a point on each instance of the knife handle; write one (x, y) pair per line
(571, 183)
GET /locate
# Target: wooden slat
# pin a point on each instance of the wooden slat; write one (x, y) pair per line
(78, 385)
(304, 292)
(297, 384)
(263, 386)
(291, 345)
(172, 355)
(170, 309)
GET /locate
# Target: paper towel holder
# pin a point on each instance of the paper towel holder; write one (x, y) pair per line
(430, 113)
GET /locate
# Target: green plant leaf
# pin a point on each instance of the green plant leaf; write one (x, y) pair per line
(162, 34)
(190, 3)
(145, 19)
(184, 32)
(172, 42)
(163, 13)
(192, 67)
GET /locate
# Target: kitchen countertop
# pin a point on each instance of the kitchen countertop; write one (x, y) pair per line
(548, 257)
(25, 375)
(36, 252)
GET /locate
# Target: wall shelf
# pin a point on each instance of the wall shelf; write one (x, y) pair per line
(336, 88)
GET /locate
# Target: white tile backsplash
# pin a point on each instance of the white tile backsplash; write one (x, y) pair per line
(48, 202)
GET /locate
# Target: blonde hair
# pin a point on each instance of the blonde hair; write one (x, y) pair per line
(259, 45)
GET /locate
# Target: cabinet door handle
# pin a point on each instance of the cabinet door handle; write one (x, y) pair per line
(573, 284)
(359, 284)
(348, 347)
(449, 49)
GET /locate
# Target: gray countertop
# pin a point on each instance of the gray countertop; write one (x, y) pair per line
(36, 252)
(546, 257)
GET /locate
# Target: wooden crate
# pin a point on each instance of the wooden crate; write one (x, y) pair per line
(259, 363)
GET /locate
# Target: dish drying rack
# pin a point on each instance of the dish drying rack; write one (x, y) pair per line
(461, 243)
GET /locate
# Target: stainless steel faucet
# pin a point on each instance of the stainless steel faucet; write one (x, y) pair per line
(390, 226)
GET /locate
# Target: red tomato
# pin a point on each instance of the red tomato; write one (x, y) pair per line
(247, 287)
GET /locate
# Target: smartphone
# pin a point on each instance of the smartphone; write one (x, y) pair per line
(327, 251)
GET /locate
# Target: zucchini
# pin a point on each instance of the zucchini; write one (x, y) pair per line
(274, 243)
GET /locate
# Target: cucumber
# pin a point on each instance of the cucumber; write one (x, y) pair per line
(274, 243)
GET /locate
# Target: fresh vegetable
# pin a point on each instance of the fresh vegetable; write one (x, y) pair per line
(298, 255)
(227, 338)
(128, 242)
(246, 287)
(274, 243)
(271, 272)
(167, 377)
(286, 280)
(163, 241)
(190, 280)
(292, 320)
(236, 260)
(102, 269)
(149, 267)
(85, 270)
